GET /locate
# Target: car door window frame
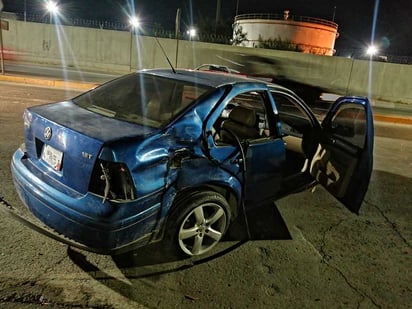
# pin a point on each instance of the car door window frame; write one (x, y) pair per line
(266, 119)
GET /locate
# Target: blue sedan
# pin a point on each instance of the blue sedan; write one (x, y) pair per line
(177, 156)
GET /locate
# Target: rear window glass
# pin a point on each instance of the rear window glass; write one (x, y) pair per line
(140, 98)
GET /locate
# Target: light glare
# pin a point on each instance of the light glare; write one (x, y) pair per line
(52, 7)
(372, 50)
(134, 22)
(192, 32)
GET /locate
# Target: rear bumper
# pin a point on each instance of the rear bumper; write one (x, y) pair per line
(59, 216)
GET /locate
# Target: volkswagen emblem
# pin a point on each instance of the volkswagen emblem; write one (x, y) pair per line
(47, 133)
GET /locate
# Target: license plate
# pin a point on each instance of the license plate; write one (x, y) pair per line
(52, 157)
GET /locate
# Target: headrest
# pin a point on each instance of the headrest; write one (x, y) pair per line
(243, 115)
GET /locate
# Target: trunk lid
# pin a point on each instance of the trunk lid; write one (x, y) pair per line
(63, 142)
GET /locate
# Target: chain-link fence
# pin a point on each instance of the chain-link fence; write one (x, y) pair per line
(155, 29)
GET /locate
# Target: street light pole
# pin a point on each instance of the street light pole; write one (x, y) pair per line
(218, 9)
(131, 49)
(1, 40)
(177, 32)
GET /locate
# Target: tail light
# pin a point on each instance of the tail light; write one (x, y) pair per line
(112, 181)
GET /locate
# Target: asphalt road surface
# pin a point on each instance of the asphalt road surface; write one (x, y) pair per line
(307, 250)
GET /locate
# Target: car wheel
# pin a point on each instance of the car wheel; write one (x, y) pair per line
(198, 222)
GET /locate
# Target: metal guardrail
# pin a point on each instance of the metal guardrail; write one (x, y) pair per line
(356, 53)
(269, 16)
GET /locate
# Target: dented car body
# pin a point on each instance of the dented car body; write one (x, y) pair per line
(178, 156)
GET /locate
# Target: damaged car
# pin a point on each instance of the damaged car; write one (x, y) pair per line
(178, 156)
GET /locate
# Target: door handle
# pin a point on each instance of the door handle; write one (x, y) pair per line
(236, 161)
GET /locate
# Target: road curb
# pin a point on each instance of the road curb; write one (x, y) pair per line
(393, 119)
(39, 81)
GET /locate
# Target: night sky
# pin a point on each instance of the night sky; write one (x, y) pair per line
(354, 17)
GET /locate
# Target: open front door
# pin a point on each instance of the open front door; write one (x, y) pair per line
(343, 160)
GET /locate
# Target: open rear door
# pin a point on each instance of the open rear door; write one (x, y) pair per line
(343, 160)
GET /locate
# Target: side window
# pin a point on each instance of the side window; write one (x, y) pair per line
(349, 124)
(294, 120)
(244, 117)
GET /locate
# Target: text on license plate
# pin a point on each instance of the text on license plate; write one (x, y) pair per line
(52, 157)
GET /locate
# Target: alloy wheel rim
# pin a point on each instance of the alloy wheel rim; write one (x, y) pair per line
(202, 229)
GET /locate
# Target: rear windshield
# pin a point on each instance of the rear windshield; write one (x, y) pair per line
(141, 98)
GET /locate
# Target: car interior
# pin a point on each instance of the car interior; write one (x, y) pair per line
(242, 122)
(245, 117)
(297, 132)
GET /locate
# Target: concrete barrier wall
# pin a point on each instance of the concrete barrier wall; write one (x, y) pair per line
(121, 52)
(70, 46)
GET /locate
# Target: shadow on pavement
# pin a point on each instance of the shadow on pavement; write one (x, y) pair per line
(265, 223)
(142, 269)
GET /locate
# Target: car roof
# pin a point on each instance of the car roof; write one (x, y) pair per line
(207, 78)
(211, 78)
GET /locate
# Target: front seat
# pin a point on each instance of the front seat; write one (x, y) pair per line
(242, 123)
(153, 108)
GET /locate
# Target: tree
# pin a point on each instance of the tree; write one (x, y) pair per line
(238, 35)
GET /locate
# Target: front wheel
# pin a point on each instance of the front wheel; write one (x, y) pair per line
(199, 222)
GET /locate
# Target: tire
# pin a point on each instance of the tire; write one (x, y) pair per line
(198, 222)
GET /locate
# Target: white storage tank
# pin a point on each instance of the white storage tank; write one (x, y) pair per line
(309, 34)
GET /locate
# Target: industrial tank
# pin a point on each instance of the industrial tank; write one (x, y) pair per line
(308, 34)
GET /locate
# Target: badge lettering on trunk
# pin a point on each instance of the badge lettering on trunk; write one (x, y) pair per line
(86, 155)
